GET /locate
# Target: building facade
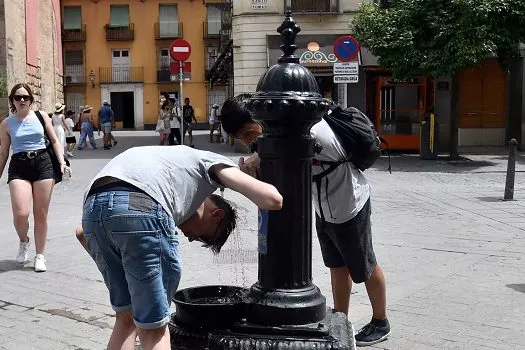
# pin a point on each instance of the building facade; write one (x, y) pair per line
(486, 115)
(118, 50)
(30, 50)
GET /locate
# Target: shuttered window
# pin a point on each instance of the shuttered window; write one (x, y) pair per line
(119, 16)
(72, 17)
(168, 20)
(214, 20)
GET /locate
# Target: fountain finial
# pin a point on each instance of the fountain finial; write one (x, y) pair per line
(288, 30)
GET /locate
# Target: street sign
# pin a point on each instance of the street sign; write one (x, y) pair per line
(176, 77)
(346, 68)
(346, 48)
(346, 79)
(180, 50)
(175, 67)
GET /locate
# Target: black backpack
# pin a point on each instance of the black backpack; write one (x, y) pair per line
(359, 139)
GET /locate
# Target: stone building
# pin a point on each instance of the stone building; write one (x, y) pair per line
(31, 50)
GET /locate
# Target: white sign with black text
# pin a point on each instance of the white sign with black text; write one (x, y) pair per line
(259, 4)
(346, 68)
(346, 79)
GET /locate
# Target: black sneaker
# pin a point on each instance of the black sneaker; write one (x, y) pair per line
(371, 334)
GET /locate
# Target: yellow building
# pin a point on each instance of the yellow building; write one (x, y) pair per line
(118, 50)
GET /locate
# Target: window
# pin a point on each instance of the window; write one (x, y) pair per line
(72, 17)
(214, 20)
(168, 20)
(119, 16)
(212, 56)
(165, 59)
(75, 57)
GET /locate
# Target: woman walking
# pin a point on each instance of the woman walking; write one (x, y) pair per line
(58, 124)
(71, 140)
(86, 128)
(30, 175)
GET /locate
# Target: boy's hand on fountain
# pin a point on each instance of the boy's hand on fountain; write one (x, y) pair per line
(251, 165)
(264, 195)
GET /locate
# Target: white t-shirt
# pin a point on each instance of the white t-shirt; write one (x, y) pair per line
(69, 127)
(213, 116)
(174, 123)
(348, 191)
(178, 178)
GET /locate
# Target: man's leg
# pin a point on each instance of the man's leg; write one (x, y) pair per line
(124, 332)
(376, 289)
(155, 339)
(341, 288)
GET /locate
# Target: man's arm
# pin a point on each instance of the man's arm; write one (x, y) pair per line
(264, 195)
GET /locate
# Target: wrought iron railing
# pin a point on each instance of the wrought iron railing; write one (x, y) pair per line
(123, 33)
(168, 30)
(313, 6)
(74, 35)
(74, 74)
(109, 75)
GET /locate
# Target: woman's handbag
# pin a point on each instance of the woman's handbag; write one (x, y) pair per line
(51, 151)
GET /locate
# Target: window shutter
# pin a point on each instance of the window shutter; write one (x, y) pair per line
(119, 16)
(72, 17)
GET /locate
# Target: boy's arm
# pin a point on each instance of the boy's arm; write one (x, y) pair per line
(264, 195)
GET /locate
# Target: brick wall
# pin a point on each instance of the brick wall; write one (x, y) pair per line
(34, 55)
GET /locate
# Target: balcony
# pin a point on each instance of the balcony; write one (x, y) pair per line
(163, 74)
(74, 35)
(74, 74)
(125, 33)
(168, 30)
(313, 6)
(211, 30)
(112, 75)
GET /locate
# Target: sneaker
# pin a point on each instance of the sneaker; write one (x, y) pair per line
(371, 334)
(115, 143)
(40, 263)
(69, 154)
(21, 256)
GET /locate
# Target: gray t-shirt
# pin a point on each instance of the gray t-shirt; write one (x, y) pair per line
(177, 177)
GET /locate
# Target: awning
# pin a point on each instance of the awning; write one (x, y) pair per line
(222, 70)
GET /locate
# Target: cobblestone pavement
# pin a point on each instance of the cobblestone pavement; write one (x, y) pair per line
(452, 252)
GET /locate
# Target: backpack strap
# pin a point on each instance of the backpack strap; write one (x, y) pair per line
(319, 177)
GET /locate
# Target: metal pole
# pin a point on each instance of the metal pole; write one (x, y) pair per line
(181, 99)
(511, 171)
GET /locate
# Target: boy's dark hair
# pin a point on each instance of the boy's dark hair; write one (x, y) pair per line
(234, 113)
(227, 224)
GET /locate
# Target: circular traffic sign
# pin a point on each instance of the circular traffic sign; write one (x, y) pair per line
(346, 48)
(180, 50)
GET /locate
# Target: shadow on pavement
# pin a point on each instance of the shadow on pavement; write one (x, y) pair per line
(10, 265)
(517, 287)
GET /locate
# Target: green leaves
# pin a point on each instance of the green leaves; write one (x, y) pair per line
(440, 37)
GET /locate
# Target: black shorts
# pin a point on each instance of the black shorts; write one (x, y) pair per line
(71, 139)
(32, 170)
(349, 244)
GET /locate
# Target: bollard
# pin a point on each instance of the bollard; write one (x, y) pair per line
(511, 171)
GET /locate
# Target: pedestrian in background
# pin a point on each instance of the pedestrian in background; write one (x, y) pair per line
(86, 128)
(31, 175)
(71, 140)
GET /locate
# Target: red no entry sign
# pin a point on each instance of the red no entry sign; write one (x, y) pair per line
(180, 50)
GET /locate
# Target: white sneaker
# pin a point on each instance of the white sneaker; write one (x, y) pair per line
(69, 154)
(40, 263)
(21, 256)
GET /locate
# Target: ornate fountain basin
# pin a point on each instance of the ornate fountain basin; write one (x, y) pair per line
(210, 307)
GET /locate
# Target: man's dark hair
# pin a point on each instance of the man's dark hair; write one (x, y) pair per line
(227, 224)
(234, 113)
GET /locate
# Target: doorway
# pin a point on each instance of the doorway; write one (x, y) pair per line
(123, 104)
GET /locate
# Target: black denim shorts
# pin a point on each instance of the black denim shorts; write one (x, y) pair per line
(31, 169)
(349, 244)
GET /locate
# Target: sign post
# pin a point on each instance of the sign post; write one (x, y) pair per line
(346, 49)
(180, 51)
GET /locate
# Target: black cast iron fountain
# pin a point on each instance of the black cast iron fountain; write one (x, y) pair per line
(284, 309)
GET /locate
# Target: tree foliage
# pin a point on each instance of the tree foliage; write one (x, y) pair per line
(440, 37)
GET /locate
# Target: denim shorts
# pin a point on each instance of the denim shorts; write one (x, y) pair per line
(30, 169)
(136, 248)
(106, 127)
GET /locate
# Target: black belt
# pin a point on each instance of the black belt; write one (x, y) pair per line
(28, 154)
(115, 186)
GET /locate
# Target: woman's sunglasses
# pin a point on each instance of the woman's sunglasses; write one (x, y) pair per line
(20, 97)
